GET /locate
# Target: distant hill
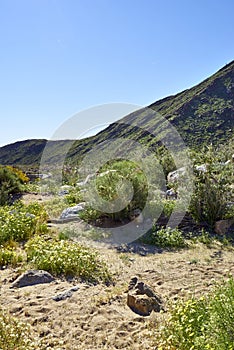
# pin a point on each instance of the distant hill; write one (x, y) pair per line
(28, 152)
(202, 115)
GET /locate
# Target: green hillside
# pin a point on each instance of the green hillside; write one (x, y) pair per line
(202, 115)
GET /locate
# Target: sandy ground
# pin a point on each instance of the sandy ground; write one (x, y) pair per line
(97, 317)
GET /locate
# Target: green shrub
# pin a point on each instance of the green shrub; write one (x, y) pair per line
(164, 237)
(73, 197)
(168, 207)
(213, 188)
(9, 256)
(15, 335)
(204, 323)
(111, 187)
(10, 183)
(63, 257)
(20, 222)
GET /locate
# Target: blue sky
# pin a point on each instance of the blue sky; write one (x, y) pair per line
(58, 57)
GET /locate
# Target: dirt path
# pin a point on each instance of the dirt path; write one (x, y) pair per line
(97, 317)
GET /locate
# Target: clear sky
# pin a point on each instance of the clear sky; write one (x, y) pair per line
(58, 57)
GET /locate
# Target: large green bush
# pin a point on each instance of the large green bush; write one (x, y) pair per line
(213, 188)
(10, 183)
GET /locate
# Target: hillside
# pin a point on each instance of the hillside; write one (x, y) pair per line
(202, 115)
(29, 152)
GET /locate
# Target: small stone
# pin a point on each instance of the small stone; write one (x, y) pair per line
(66, 294)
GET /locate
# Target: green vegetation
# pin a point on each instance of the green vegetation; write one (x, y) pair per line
(203, 323)
(10, 183)
(164, 237)
(63, 257)
(202, 115)
(20, 222)
(9, 256)
(213, 188)
(16, 335)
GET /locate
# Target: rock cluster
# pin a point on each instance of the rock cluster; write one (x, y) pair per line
(142, 299)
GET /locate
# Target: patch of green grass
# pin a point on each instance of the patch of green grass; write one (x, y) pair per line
(66, 258)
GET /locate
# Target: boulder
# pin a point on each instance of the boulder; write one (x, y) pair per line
(174, 176)
(222, 226)
(141, 298)
(72, 212)
(32, 277)
(171, 194)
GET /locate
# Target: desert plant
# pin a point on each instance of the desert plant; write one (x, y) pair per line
(9, 256)
(203, 323)
(164, 237)
(15, 334)
(19, 222)
(63, 257)
(9, 184)
(213, 189)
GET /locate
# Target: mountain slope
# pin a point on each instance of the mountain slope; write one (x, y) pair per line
(202, 115)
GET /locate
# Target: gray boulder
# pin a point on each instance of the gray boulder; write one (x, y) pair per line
(32, 277)
(72, 212)
(174, 176)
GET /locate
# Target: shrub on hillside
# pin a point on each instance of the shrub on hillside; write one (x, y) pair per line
(213, 188)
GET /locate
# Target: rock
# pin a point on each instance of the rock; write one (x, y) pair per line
(138, 216)
(67, 294)
(201, 168)
(72, 212)
(142, 299)
(171, 194)
(63, 192)
(222, 226)
(174, 176)
(88, 178)
(32, 277)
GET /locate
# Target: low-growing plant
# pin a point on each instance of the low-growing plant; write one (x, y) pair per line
(16, 335)
(164, 237)
(63, 257)
(9, 256)
(73, 197)
(20, 222)
(168, 207)
(204, 323)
